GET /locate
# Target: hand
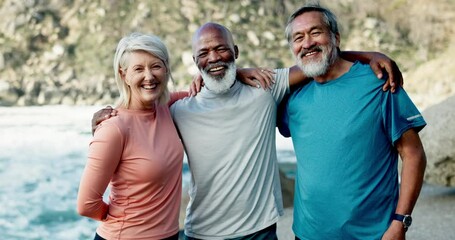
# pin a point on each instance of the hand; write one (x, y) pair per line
(395, 231)
(380, 62)
(102, 115)
(196, 85)
(256, 77)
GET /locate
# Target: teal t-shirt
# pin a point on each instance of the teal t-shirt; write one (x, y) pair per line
(343, 133)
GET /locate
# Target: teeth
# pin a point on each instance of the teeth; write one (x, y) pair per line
(216, 69)
(149, 87)
(310, 53)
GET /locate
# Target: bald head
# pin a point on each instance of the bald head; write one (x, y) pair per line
(214, 53)
(212, 31)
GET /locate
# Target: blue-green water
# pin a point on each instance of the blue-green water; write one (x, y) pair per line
(42, 155)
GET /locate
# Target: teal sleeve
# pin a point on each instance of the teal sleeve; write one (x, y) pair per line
(400, 114)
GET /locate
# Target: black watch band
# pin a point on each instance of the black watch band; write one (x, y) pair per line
(406, 220)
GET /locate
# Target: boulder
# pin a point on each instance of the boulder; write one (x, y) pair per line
(438, 139)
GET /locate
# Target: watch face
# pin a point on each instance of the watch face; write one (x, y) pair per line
(407, 220)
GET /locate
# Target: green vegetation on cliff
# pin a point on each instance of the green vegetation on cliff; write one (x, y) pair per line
(60, 52)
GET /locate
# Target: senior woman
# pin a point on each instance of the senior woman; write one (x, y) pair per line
(138, 153)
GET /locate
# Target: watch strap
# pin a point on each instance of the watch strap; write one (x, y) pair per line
(398, 217)
(406, 220)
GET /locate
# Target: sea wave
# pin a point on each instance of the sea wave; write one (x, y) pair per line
(43, 153)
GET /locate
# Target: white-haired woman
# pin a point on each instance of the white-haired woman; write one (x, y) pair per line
(138, 153)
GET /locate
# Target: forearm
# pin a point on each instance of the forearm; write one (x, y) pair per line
(414, 162)
(411, 181)
(88, 206)
(175, 96)
(104, 155)
(363, 57)
(90, 196)
(93, 184)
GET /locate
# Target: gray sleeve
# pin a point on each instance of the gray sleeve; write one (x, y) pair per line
(281, 86)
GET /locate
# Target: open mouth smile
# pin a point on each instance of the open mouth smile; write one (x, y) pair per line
(149, 86)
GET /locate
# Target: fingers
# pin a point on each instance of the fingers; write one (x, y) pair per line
(196, 85)
(390, 81)
(386, 86)
(266, 77)
(192, 91)
(199, 83)
(391, 75)
(104, 114)
(377, 69)
(256, 77)
(259, 82)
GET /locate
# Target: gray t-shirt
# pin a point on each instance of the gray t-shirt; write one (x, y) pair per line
(229, 140)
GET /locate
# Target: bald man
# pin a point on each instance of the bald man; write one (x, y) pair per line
(228, 131)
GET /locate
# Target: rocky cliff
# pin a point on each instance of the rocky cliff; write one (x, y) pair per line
(60, 52)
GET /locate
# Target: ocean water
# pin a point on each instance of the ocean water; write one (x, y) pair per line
(42, 156)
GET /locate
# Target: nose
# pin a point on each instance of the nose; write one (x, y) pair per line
(308, 43)
(213, 56)
(148, 74)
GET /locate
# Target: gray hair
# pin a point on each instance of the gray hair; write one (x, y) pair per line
(329, 18)
(139, 42)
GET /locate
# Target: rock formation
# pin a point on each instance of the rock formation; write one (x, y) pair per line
(438, 139)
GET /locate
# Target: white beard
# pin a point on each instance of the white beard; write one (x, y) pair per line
(220, 85)
(314, 69)
(318, 68)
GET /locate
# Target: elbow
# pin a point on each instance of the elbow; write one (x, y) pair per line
(96, 209)
(83, 210)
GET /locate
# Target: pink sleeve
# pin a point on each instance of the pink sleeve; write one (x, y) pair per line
(105, 151)
(175, 96)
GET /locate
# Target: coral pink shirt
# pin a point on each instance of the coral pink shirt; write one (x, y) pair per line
(140, 155)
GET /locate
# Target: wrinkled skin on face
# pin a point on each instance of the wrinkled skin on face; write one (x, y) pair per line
(214, 53)
(313, 45)
(146, 76)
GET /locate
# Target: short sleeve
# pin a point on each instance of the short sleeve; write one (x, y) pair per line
(281, 86)
(400, 114)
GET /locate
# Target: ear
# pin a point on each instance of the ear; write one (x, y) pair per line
(337, 37)
(236, 51)
(122, 74)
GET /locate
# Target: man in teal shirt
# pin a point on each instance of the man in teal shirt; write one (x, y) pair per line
(347, 134)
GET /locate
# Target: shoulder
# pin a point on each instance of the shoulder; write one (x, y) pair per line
(281, 74)
(184, 101)
(175, 96)
(359, 69)
(110, 128)
(117, 123)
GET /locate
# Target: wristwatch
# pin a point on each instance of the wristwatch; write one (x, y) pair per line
(405, 219)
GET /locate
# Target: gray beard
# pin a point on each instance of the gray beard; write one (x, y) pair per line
(318, 68)
(314, 69)
(220, 85)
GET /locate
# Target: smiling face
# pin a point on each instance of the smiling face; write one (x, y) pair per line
(313, 45)
(146, 76)
(214, 54)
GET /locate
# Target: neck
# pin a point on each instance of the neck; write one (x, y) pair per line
(143, 107)
(338, 68)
